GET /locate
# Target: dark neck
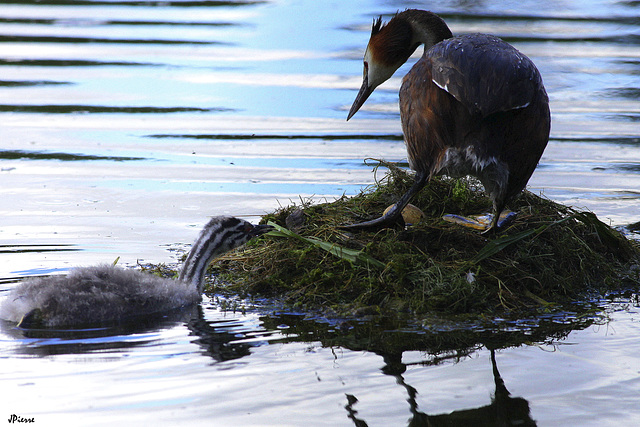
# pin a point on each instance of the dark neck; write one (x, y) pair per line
(194, 268)
(427, 28)
(220, 235)
(208, 244)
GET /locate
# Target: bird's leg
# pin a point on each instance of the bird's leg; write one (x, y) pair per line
(493, 227)
(497, 210)
(395, 213)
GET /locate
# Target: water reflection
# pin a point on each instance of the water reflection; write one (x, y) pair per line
(223, 337)
(35, 155)
(73, 109)
(141, 3)
(30, 62)
(446, 342)
(504, 410)
(37, 248)
(217, 338)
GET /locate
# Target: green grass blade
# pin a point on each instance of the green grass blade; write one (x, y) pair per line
(495, 246)
(351, 255)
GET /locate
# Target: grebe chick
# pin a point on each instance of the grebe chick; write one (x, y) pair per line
(106, 294)
(471, 105)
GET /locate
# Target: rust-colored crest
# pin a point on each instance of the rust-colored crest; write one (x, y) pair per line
(391, 43)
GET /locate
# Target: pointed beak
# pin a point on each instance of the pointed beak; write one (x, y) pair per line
(260, 229)
(362, 96)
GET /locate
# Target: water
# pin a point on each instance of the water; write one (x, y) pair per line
(126, 124)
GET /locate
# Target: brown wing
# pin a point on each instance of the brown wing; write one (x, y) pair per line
(484, 73)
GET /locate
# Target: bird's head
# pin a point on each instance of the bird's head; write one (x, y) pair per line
(389, 47)
(231, 232)
(224, 233)
(220, 235)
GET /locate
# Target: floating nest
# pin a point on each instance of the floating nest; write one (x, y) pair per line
(550, 256)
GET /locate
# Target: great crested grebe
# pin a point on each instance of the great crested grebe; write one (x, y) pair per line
(471, 105)
(107, 294)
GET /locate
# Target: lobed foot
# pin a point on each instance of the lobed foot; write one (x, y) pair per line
(483, 222)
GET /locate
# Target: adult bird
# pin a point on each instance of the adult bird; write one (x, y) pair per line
(471, 105)
(106, 294)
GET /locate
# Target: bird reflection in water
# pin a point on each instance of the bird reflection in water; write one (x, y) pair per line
(504, 410)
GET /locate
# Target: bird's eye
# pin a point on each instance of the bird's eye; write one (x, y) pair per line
(366, 69)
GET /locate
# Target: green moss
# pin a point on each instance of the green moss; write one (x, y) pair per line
(550, 254)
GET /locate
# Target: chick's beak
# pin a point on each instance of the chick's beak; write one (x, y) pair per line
(363, 94)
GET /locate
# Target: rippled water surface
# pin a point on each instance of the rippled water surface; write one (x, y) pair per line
(125, 124)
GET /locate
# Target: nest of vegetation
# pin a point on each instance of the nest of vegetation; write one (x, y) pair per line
(549, 255)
